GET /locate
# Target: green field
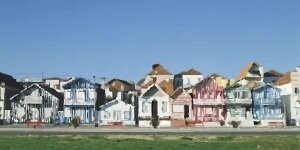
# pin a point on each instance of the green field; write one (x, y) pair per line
(12, 142)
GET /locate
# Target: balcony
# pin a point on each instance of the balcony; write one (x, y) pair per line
(238, 101)
(33, 100)
(79, 102)
(209, 102)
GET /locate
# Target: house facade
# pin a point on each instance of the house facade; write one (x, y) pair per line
(289, 84)
(252, 72)
(116, 112)
(238, 102)
(9, 87)
(187, 79)
(79, 100)
(180, 107)
(115, 87)
(272, 76)
(2, 93)
(57, 83)
(208, 103)
(221, 80)
(35, 103)
(154, 102)
(267, 106)
(157, 75)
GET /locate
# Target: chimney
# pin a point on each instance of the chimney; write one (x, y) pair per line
(119, 96)
(155, 66)
(154, 80)
(102, 82)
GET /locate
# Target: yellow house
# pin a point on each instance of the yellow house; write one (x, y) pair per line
(221, 80)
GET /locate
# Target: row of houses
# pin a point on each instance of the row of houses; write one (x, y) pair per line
(254, 98)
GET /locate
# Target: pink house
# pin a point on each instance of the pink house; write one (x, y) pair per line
(208, 103)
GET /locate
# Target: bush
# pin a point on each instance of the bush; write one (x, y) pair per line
(235, 124)
(76, 122)
(154, 121)
(222, 122)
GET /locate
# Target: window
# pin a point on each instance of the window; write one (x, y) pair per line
(144, 107)
(117, 115)
(296, 90)
(106, 115)
(164, 107)
(235, 94)
(178, 108)
(127, 115)
(245, 95)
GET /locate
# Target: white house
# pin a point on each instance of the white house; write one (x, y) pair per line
(157, 75)
(289, 84)
(116, 112)
(2, 94)
(57, 83)
(187, 79)
(79, 100)
(252, 72)
(154, 102)
(9, 87)
(36, 103)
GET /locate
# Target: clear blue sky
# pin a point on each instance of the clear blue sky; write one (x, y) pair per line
(120, 38)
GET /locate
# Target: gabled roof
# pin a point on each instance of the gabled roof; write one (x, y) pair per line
(191, 71)
(272, 73)
(12, 87)
(206, 81)
(167, 86)
(254, 84)
(265, 85)
(44, 87)
(120, 85)
(284, 79)
(214, 75)
(10, 81)
(139, 83)
(113, 102)
(146, 85)
(152, 87)
(53, 92)
(76, 80)
(244, 72)
(158, 69)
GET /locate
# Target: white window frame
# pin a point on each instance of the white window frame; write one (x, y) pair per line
(164, 107)
(127, 115)
(107, 115)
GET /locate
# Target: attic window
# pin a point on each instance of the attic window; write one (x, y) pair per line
(296, 90)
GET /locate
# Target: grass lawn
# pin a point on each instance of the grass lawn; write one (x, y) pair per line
(123, 142)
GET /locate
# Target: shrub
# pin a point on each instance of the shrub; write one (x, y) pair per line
(154, 122)
(76, 122)
(222, 122)
(235, 124)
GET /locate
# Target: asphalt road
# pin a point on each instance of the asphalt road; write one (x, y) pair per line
(151, 131)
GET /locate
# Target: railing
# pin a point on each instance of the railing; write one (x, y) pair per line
(75, 102)
(239, 101)
(209, 102)
(33, 100)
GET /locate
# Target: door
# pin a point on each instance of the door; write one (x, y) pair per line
(186, 111)
(154, 108)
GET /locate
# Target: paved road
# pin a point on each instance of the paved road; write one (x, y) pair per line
(150, 131)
